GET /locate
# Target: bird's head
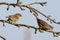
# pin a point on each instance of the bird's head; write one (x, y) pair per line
(18, 14)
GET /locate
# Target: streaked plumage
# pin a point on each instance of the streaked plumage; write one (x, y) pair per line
(14, 18)
(44, 26)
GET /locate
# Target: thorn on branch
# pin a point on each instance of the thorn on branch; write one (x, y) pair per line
(3, 23)
(35, 30)
(17, 1)
(8, 7)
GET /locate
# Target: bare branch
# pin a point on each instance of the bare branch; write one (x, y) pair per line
(41, 3)
(2, 38)
(31, 10)
(28, 26)
(19, 25)
(48, 17)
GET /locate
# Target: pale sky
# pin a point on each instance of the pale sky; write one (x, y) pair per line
(11, 32)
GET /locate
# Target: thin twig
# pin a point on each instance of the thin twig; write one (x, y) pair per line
(41, 3)
(17, 1)
(46, 16)
(2, 38)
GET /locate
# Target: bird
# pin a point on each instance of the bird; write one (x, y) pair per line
(13, 18)
(43, 26)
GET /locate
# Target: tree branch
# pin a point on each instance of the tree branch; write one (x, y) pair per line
(30, 8)
(28, 26)
(19, 25)
(2, 38)
(41, 3)
(48, 17)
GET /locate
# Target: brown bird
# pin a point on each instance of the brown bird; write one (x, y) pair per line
(14, 18)
(43, 26)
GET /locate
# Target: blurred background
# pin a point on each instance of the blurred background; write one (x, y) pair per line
(11, 32)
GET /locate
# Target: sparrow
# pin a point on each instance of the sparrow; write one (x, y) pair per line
(14, 18)
(43, 26)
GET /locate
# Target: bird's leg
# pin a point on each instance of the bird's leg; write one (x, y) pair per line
(13, 22)
(10, 21)
(40, 29)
